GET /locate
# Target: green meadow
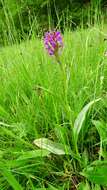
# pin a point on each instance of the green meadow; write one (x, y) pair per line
(53, 117)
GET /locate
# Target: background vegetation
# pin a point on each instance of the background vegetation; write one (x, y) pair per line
(19, 19)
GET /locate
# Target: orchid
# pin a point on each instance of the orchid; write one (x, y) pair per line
(53, 42)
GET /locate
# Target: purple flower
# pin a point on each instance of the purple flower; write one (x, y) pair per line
(53, 42)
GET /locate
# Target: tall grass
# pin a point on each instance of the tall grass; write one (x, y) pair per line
(33, 105)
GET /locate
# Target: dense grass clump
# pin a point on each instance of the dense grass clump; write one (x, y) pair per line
(37, 102)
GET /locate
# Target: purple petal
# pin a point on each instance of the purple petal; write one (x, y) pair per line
(53, 41)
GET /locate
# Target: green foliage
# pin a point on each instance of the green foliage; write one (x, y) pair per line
(34, 105)
(97, 173)
(10, 178)
(21, 19)
(54, 148)
(84, 186)
(79, 121)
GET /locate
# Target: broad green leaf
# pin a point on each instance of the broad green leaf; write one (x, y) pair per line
(15, 163)
(51, 146)
(10, 178)
(97, 173)
(102, 130)
(83, 186)
(25, 156)
(80, 119)
(34, 154)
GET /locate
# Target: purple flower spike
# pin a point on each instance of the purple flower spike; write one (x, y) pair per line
(53, 42)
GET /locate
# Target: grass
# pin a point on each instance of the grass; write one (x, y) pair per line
(34, 104)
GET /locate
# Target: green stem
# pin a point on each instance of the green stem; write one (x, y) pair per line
(65, 88)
